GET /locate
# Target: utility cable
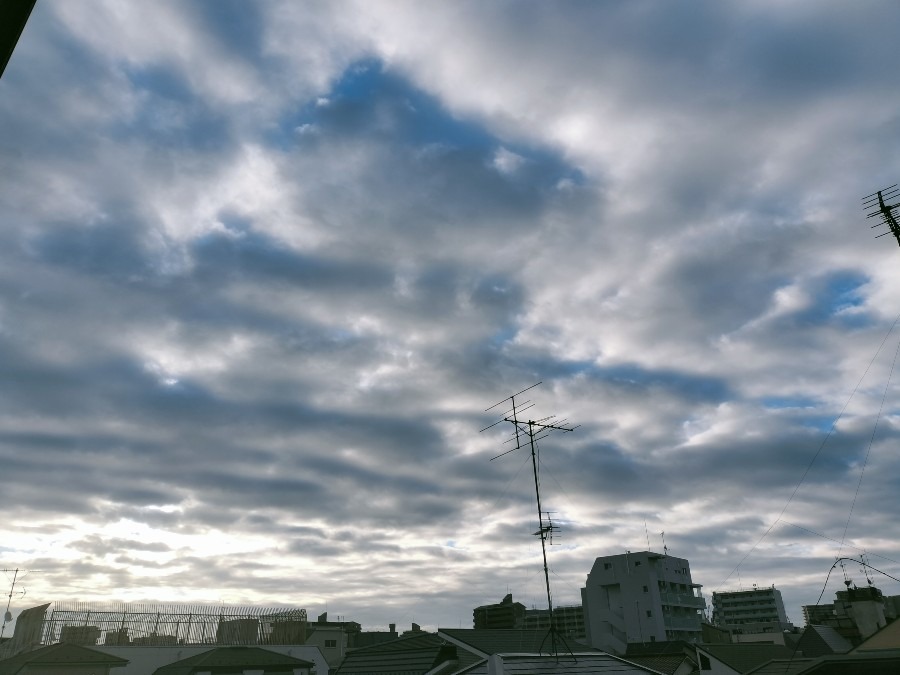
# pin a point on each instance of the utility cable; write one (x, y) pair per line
(869, 449)
(837, 541)
(816, 456)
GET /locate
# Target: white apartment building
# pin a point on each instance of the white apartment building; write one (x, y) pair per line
(753, 611)
(640, 597)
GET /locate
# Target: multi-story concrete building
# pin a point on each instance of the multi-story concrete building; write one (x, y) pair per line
(750, 612)
(505, 614)
(569, 620)
(641, 597)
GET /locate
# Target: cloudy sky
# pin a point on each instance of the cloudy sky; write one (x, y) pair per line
(263, 266)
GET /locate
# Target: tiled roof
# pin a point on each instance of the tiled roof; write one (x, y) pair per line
(782, 667)
(866, 663)
(664, 663)
(585, 664)
(821, 640)
(416, 654)
(745, 657)
(243, 657)
(61, 653)
(507, 641)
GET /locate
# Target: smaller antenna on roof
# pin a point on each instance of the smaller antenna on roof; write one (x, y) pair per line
(7, 616)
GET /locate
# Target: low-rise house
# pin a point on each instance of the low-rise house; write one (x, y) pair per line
(62, 659)
(837, 664)
(411, 655)
(738, 659)
(144, 660)
(888, 638)
(672, 658)
(589, 663)
(238, 660)
(484, 652)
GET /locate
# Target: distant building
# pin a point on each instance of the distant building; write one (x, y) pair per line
(569, 620)
(238, 632)
(640, 597)
(751, 615)
(117, 638)
(505, 614)
(85, 636)
(368, 638)
(818, 615)
(155, 640)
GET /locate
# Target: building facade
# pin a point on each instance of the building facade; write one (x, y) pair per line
(569, 620)
(641, 597)
(748, 612)
(505, 614)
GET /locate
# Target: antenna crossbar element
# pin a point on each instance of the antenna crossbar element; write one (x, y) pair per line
(7, 617)
(878, 207)
(528, 432)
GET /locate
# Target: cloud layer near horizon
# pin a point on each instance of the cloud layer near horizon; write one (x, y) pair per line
(265, 265)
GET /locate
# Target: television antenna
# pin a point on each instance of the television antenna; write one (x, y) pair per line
(7, 617)
(527, 434)
(876, 206)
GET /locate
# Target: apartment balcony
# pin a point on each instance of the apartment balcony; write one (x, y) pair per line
(682, 600)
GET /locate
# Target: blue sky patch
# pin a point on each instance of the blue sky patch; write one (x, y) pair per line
(779, 402)
(834, 294)
(162, 81)
(369, 100)
(695, 387)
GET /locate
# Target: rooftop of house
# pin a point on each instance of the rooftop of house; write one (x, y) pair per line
(821, 640)
(414, 654)
(59, 654)
(886, 638)
(746, 656)
(485, 642)
(664, 663)
(240, 656)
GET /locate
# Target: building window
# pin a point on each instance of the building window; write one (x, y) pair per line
(646, 590)
(649, 612)
(607, 566)
(330, 644)
(637, 563)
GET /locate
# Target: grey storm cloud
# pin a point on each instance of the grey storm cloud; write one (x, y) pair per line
(265, 266)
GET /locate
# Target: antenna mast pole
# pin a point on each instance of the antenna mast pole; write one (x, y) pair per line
(543, 532)
(533, 429)
(7, 617)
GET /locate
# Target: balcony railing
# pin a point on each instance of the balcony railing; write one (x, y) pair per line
(682, 600)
